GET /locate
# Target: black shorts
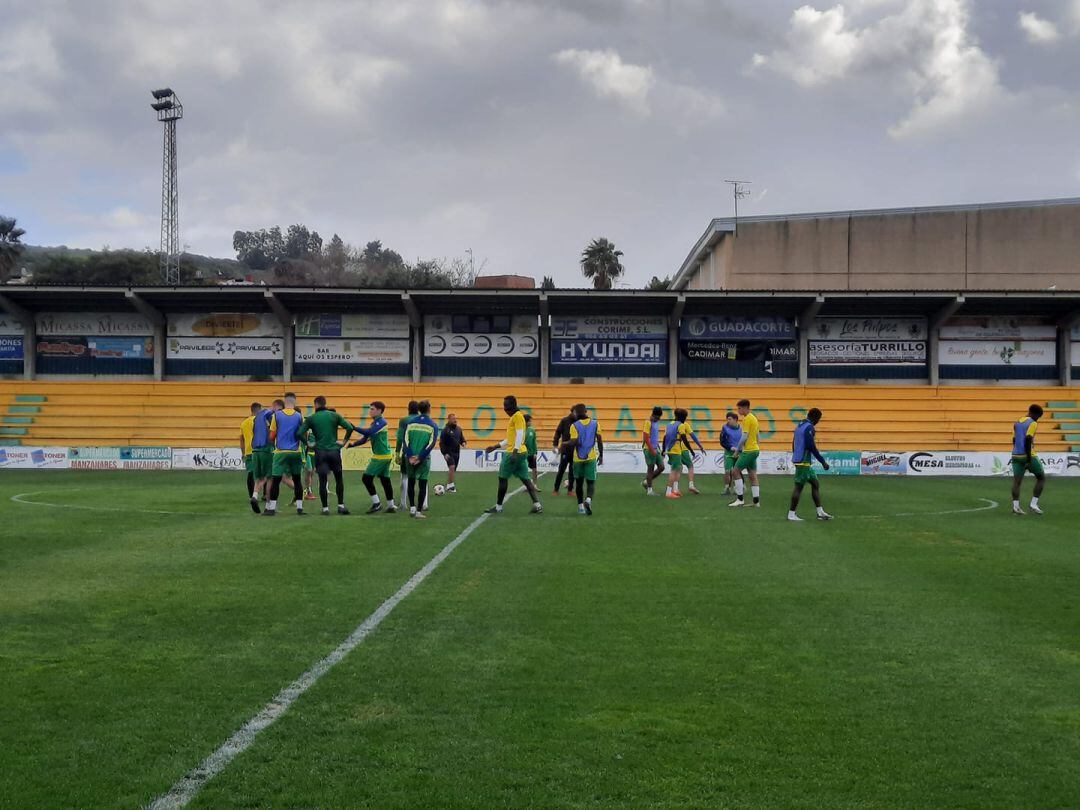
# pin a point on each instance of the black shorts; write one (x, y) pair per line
(532, 462)
(452, 459)
(328, 462)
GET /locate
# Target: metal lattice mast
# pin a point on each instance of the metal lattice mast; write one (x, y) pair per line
(169, 110)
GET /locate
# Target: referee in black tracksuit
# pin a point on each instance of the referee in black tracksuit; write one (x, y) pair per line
(566, 459)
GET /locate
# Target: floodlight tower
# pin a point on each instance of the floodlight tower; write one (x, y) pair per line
(169, 110)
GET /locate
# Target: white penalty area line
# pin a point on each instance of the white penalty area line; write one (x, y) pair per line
(191, 783)
(24, 497)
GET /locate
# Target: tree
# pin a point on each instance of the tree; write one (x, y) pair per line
(300, 243)
(600, 263)
(108, 268)
(10, 246)
(548, 283)
(657, 283)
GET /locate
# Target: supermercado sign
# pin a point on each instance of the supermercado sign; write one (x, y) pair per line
(92, 324)
(997, 352)
(120, 458)
(195, 348)
(322, 350)
(440, 340)
(353, 325)
(721, 327)
(863, 352)
(224, 324)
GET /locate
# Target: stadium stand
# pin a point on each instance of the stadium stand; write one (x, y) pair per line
(191, 414)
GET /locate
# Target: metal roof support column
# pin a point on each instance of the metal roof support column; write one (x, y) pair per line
(932, 339)
(415, 325)
(673, 338)
(806, 320)
(26, 318)
(154, 315)
(545, 340)
(286, 318)
(1064, 347)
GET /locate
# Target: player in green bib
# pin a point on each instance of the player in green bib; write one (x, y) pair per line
(378, 434)
(530, 447)
(421, 436)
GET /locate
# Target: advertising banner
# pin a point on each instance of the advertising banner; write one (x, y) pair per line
(948, 463)
(440, 340)
(876, 329)
(34, 458)
(863, 352)
(354, 325)
(997, 352)
(883, 464)
(617, 339)
(841, 462)
(96, 324)
(225, 324)
(997, 328)
(194, 348)
(324, 350)
(120, 458)
(609, 327)
(127, 348)
(63, 347)
(1074, 352)
(11, 347)
(208, 458)
(632, 352)
(722, 352)
(724, 327)
(10, 326)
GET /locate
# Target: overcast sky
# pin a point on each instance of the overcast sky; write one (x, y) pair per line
(524, 128)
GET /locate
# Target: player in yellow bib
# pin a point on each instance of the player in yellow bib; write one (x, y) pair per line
(746, 456)
(515, 458)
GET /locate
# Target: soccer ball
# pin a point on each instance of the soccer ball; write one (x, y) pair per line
(440, 489)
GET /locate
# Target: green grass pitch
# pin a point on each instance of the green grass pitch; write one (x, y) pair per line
(658, 654)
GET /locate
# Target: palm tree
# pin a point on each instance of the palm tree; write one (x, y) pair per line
(600, 262)
(10, 246)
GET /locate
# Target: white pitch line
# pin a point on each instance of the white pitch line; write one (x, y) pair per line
(990, 505)
(191, 783)
(21, 498)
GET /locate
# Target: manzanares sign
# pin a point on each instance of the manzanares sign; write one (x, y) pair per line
(120, 458)
(733, 327)
(615, 339)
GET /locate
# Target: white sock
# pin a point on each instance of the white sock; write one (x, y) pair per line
(588, 501)
(756, 492)
(1034, 501)
(272, 505)
(412, 510)
(299, 505)
(668, 490)
(1016, 504)
(375, 500)
(739, 489)
(391, 502)
(791, 513)
(675, 486)
(821, 510)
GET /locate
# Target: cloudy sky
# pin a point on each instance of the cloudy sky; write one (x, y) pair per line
(524, 128)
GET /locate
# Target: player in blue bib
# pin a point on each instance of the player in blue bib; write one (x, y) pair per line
(586, 442)
(1025, 460)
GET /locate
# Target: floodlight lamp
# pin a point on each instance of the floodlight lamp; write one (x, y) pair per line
(164, 92)
(162, 105)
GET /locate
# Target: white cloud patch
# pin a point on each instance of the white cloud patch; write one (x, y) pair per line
(639, 89)
(925, 48)
(1037, 30)
(610, 77)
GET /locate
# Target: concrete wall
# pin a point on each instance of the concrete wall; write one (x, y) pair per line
(1024, 248)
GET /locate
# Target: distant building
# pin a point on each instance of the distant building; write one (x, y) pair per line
(996, 246)
(505, 282)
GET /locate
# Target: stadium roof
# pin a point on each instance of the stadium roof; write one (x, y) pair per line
(724, 225)
(416, 303)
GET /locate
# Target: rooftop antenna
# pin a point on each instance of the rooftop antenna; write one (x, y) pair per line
(739, 191)
(169, 110)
